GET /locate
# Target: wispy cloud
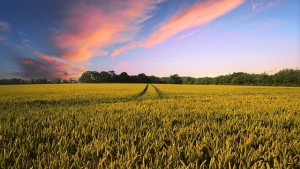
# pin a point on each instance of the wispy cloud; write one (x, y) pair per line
(187, 35)
(93, 27)
(4, 26)
(199, 14)
(125, 48)
(186, 18)
(26, 43)
(89, 28)
(259, 5)
(62, 65)
(46, 66)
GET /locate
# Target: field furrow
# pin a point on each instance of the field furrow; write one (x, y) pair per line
(159, 92)
(149, 94)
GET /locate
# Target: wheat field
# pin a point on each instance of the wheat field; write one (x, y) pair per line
(149, 126)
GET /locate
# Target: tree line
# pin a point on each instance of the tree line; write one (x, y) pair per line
(112, 77)
(286, 77)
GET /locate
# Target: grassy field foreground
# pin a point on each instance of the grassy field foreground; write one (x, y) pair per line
(149, 126)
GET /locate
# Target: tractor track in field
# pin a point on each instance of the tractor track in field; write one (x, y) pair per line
(159, 92)
(140, 94)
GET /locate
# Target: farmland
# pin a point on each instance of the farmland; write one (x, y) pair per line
(149, 126)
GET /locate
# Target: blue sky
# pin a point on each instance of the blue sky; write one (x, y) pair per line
(156, 37)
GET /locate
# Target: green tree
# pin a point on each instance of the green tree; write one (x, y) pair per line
(142, 78)
(241, 78)
(287, 77)
(188, 80)
(175, 79)
(87, 77)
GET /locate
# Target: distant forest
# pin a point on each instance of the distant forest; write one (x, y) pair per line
(286, 77)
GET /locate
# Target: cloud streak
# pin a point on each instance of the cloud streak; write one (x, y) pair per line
(259, 5)
(187, 35)
(125, 48)
(46, 66)
(4, 26)
(196, 15)
(87, 30)
(93, 27)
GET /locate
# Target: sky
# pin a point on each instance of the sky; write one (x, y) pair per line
(199, 38)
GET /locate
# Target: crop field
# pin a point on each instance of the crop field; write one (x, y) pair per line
(149, 126)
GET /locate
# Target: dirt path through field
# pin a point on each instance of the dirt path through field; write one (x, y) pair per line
(149, 93)
(140, 94)
(159, 92)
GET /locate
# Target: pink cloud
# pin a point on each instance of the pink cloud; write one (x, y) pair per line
(92, 27)
(199, 14)
(47, 66)
(88, 29)
(27, 61)
(60, 67)
(125, 48)
(31, 68)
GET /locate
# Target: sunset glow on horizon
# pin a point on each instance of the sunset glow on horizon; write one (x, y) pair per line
(157, 37)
